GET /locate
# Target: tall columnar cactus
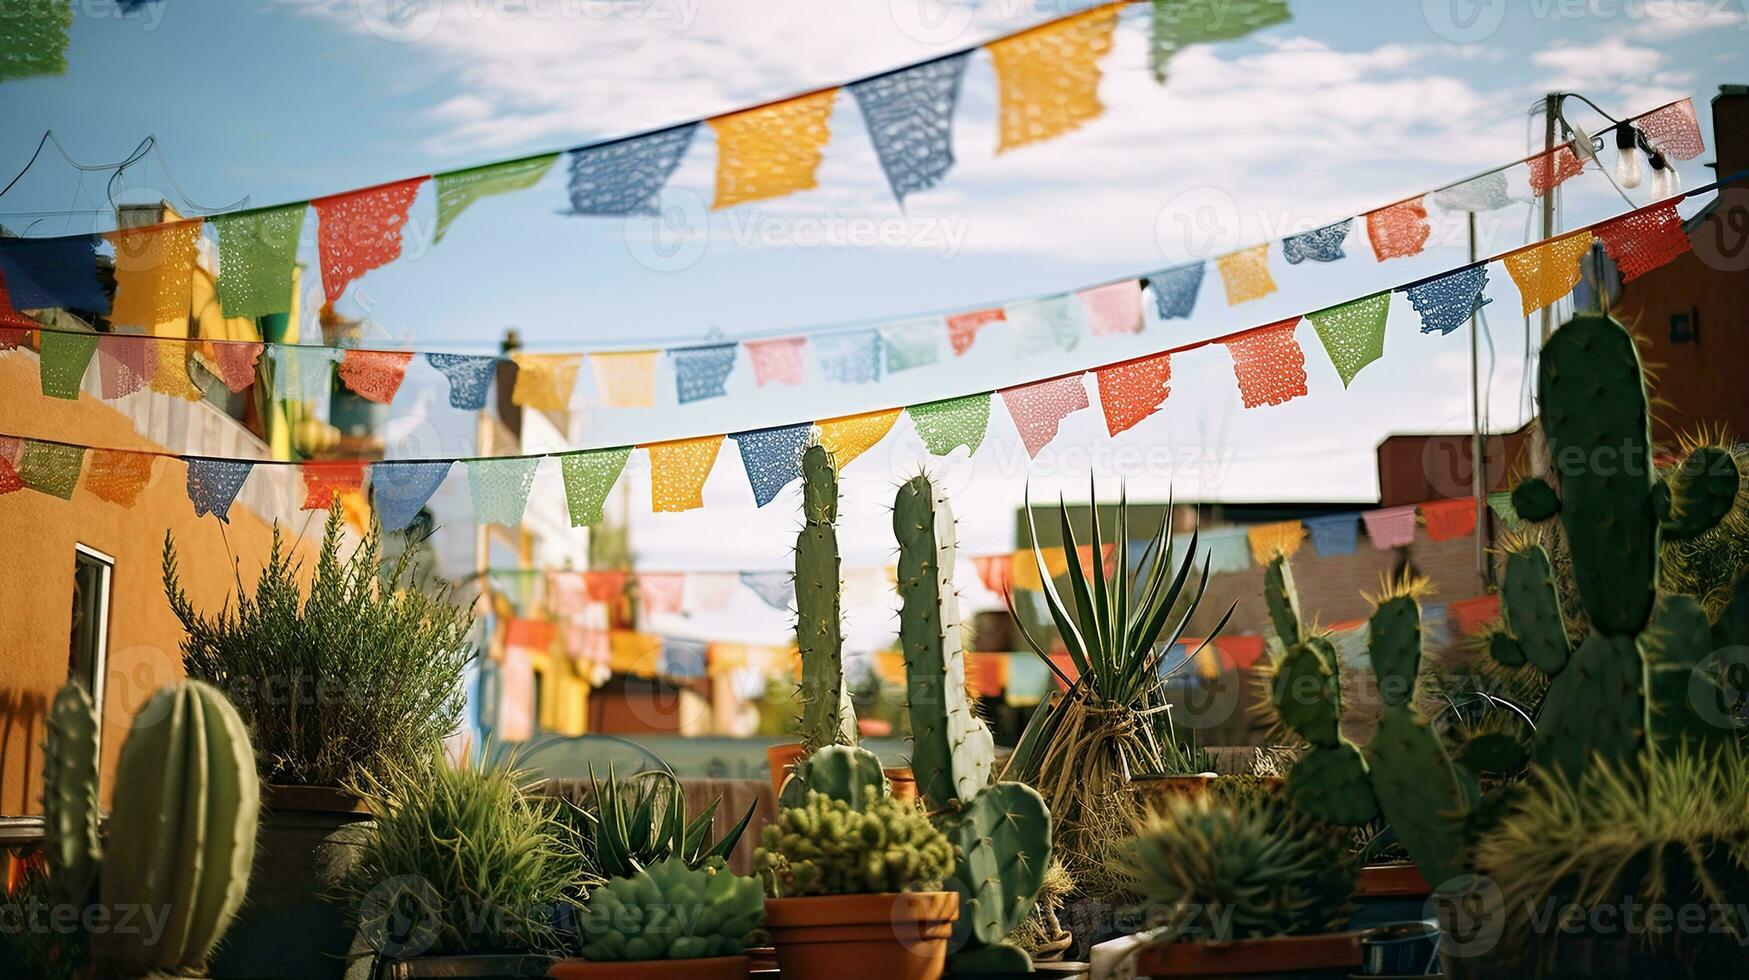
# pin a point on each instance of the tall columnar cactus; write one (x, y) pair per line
(70, 795)
(827, 715)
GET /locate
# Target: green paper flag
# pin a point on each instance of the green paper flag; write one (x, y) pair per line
(257, 253)
(1500, 502)
(64, 359)
(1353, 333)
(33, 38)
(954, 422)
(455, 191)
(589, 478)
(51, 468)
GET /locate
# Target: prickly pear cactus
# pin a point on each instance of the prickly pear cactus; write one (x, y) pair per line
(827, 715)
(1002, 845)
(1532, 610)
(70, 795)
(842, 772)
(1419, 791)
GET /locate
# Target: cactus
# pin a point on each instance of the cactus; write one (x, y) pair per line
(841, 772)
(1532, 609)
(1002, 842)
(669, 911)
(829, 847)
(1697, 494)
(1418, 790)
(70, 795)
(827, 715)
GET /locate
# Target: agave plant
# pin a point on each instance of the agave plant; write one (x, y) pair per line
(1114, 722)
(628, 825)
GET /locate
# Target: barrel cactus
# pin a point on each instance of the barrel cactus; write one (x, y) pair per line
(827, 715)
(669, 911)
(829, 847)
(841, 772)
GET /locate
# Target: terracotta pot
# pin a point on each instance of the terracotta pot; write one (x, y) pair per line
(712, 968)
(782, 758)
(1159, 789)
(1333, 951)
(902, 784)
(1391, 881)
(893, 936)
(472, 966)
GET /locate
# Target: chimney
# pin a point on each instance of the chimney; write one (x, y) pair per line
(1731, 129)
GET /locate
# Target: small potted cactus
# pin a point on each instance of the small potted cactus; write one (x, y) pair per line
(668, 921)
(853, 890)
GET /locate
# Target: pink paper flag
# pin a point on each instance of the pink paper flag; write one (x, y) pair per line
(125, 363)
(1039, 408)
(776, 361)
(1392, 527)
(1116, 308)
(235, 362)
(662, 592)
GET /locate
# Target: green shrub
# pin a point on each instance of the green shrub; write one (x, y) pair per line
(828, 847)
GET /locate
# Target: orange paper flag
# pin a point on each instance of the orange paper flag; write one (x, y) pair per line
(1132, 391)
(1549, 271)
(544, 381)
(1398, 230)
(322, 480)
(772, 150)
(626, 379)
(678, 471)
(1279, 538)
(1049, 76)
(1245, 274)
(375, 374)
(849, 437)
(154, 274)
(118, 477)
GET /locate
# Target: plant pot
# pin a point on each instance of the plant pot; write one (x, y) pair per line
(901, 783)
(1400, 949)
(1335, 953)
(479, 966)
(893, 936)
(1159, 789)
(711, 968)
(782, 758)
(1391, 881)
(286, 927)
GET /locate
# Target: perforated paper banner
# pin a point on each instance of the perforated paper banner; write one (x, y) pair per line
(1049, 76)
(709, 590)
(1547, 272)
(1643, 240)
(499, 488)
(258, 251)
(911, 344)
(775, 589)
(910, 120)
(1175, 290)
(1333, 535)
(1269, 364)
(360, 231)
(662, 592)
(776, 361)
(605, 586)
(400, 490)
(1043, 324)
(1225, 549)
(962, 328)
(44, 273)
(234, 362)
(213, 485)
(1673, 130)
(952, 422)
(625, 379)
(589, 477)
(125, 364)
(627, 176)
(1485, 193)
(701, 372)
(303, 374)
(1245, 274)
(10, 482)
(324, 479)
(1114, 308)
(772, 458)
(64, 358)
(1500, 502)
(849, 437)
(1276, 538)
(1471, 616)
(1132, 391)
(51, 468)
(1399, 230)
(772, 150)
(170, 375)
(1449, 519)
(996, 572)
(1320, 244)
(1353, 333)
(544, 381)
(1392, 527)
(849, 358)
(678, 471)
(457, 190)
(154, 274)
(1447, 302)
(375, 374)
(34, 38)
(469, 377)
(1550, 170)
(118, 477)
(1038, 409)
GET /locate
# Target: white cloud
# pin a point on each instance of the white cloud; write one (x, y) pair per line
(1683, 19)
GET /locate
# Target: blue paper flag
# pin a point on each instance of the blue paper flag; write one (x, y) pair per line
(303, 374)
(1435, 624)
(1446, 303)
(400, 490)
(1042, 324)
(626, 176)
(912, 343)
(1226, 549)
(1175, 290)
(910, 119)
(43, 273)
(469, 376)
(1320, 244)
(1333, 534)
(701, 372)
(681, 658)
(213, 484)
(775, 589)
(772, 458)
(849, 358)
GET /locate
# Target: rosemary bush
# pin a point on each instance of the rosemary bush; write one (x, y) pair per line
(358, 679)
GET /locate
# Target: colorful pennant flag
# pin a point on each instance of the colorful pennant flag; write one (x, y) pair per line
(625, 379)
(213, 484)
(775, 589)
(303, 374)
(1392, 527)
(627, 176)
(1673, 130)
(499, 488)
(460, 188)
(1175, 290)
(943, 425)
(1500, 502)
(777, 361)
(1549, 170)
(1038, 409)
(702, 372)
(772, 458)
(1045, 323)
(681, 659)
(1485, 193)
(118, 477)
(258, 252)
(51, 468)
(678, 470)
(64, 357)
(1269, 364)
(10, 482)
(708, 590)
(1245, 274)
(1398, 230)
(1333, 535)
(1474, 615)
(910, 120)
(1353, 333)
(1275, 538)
(34, 35)
(469, 376)
(400, 490)
(1320, 244)
(154, 274)
(962, 328)
(375, 375)
(849, 358)
(1049, 76)
(544, 381)
(1447, 302)
(1643, 240)
(912, 344)
(1449, 519)
(170, 375)
(662, 592)
(850, 436)
(234, 361)
(125, 364)
(325, 479)
(772, 150)
(1224, 549)
(361, 231)
(1545, 273)
(589, 477)
(996, 572)
(52, 273)
(1114, 308)
(1132, 391)
(608, 585)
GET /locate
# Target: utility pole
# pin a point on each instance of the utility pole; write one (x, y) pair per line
(1478, 457)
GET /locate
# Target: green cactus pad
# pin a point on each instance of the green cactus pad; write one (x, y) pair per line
(842, 772)
(1307, 696)
(1002, 846)
(1593, 708)
(1505, 649)
(1532, 609)
(1331, 784)
(1534, 500)
(1418, 791)
(827, 715)
(1394, 647)
(998, 960)
(1695, 496)
(70, 795)
(1494, 754)
(1682, 704)
(1283, 601)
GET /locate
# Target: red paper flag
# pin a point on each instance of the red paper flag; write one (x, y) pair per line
(962, 329)
(235, 362)
(1473, 614)
(322, 480)
(1039, 408)
(10, 481)
(996, 572)
(375, 374)
(1448, 519)
(604, 586)
(361, 231)
(1132, 391)
(1549, 170)
(1643, 240)
(1398, 230)
(1269, 364)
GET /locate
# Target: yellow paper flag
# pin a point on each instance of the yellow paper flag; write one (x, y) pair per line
(544, 381)
(627, 379)
(1549, 271)
(170, 375)
(1246, 275)
(634, 653)
(1280, 538)
(154, 274)
(772, 150)
(1049, 76)
(678, 471)
(849, 437)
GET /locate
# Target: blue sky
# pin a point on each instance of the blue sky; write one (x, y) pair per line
(1346, 106)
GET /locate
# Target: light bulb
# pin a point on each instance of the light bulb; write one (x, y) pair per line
(1627, 167)
(1665, 183)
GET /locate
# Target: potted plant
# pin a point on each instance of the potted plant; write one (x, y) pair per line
(358, 677)
(853, 890)
(667, 922)
(627, 825)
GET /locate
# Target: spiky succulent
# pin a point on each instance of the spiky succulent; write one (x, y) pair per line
(828, 847)
(1218, 871)
(669, 911)
(627, 825)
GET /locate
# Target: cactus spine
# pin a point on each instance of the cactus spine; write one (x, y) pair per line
(827, 715)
